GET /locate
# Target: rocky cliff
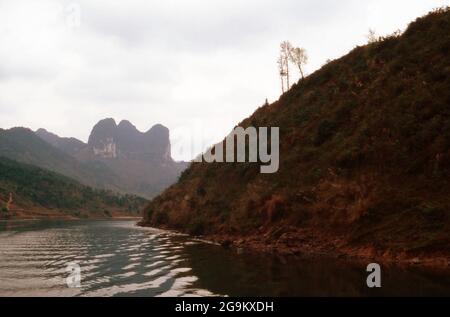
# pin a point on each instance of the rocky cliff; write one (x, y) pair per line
(124, 141)
(136, 162)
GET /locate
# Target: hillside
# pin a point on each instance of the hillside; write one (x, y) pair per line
(364, 160)
(70, 146)
(23, 145)
(38, 192)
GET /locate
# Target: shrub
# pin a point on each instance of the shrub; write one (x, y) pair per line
(344, 112)
(196, 228)
(325, 131)
(350, 158)
(160, 217)
(201, 191)
(184, 174)
(303, 115)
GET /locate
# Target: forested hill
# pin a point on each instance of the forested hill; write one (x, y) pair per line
(38, 192)
(364, 159)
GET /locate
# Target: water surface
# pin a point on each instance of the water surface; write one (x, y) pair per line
(119, 259)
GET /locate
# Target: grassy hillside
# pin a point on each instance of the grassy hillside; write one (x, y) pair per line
(364, 159)
(37, 190)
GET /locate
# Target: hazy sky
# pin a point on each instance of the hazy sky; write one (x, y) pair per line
(197, 66)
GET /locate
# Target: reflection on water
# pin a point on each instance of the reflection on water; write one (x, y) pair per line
(120, 259)
(116, 259)
(260, 275)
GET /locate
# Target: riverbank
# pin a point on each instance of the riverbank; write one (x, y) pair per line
(146, 262)
(310, 244)
(50, 214)
(357, 177)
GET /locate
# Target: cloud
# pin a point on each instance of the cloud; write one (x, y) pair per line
(188, 64)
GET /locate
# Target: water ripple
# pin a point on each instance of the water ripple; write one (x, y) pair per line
(115, 259)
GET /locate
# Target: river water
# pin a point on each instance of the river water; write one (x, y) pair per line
(117, 258)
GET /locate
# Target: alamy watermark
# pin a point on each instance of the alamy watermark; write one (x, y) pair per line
(74, 278)
(72, 14)
(57, 15)
(257, 149)
(374, 278)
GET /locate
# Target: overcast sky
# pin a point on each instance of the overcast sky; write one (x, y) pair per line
(196, 66)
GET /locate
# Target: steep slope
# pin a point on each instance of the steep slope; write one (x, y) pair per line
(124, 141)
(26, 190)
(142, 161)
(364, 160)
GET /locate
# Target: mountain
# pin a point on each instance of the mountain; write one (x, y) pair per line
(364, 161)
(124, 141)
(139, 163)
(143, 161)
(26, 190)
(23, 145)
(70, 146)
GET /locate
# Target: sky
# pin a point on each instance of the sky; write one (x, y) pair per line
(198, 67)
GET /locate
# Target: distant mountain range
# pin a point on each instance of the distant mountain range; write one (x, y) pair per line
(23, 145)
(116, 157)
(70, 146)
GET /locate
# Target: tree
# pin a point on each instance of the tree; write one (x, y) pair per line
(299, 57)
(282, 72)
(283, 64)
(372, 36)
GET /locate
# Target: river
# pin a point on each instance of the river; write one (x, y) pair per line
(117, 258)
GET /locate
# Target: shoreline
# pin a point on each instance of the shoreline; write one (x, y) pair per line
(301, 247)
(66, 217)
(298, 246)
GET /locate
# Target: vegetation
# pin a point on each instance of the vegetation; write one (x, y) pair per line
(36, 188)
(23, 145)
(297, 56)
(364, 155)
